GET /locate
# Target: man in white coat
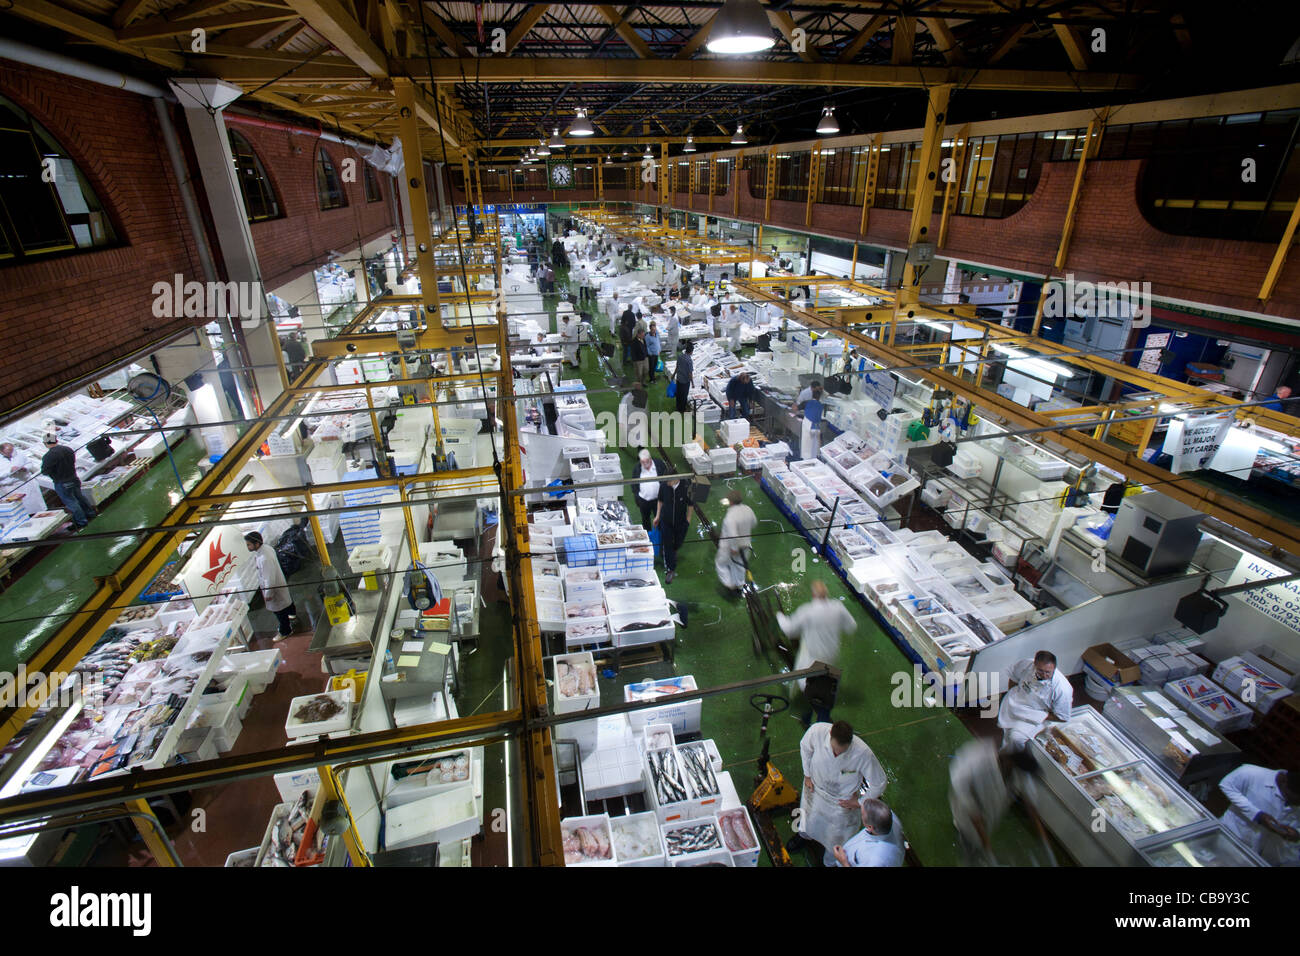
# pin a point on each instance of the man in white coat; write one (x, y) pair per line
(270, 578)
(818, 625)
(1263, 812)
(878, 843)
(838, 770)
(570, 335)
(17, 464)
(1036, 693)
(672, 329)
(731, 323)
(733, 542)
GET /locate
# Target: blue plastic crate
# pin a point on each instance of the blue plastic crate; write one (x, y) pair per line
(167, 571)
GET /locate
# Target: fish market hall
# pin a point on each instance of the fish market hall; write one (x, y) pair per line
(738, 435)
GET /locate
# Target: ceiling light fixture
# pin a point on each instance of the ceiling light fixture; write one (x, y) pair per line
(690, 144)
(827, 124)
(542, 150)
(741, 26)
(556, 142)
(581, 126)
(609, 160)
(739, 138)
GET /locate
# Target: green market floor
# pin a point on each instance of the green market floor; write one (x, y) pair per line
(34, 605)
(914, 744)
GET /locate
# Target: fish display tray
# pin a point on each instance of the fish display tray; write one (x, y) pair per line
(340, 722)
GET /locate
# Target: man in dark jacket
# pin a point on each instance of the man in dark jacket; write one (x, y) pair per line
(626, 331)
(683, 374)
(739, 391)
(59, 465)
(639, 357)
(672, 519)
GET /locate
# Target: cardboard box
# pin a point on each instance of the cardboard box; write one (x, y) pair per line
(1281, 667)
(1112, 664)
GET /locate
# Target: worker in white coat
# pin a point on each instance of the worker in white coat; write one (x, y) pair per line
(839, 769)
(733, 543)
(982, 785)
(731, 326)
(1263, 812)
(1036, 693)
(613, 309)
(270, 578)
(20, 466)
(819, 626)
(672, 329)
(570, 336)
(878, 843)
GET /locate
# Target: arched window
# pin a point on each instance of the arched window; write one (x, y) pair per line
(259, 197)
(373, 193)
(46, 205)
(328, 187)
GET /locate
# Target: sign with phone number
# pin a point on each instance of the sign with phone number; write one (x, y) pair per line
(1281, 602)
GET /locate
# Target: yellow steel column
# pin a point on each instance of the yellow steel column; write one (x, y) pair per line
(814, 182)
(1090, 143)
(733, 181)
(151, 832)
(770, 183)
(600, 181)
(923, 200)
(410, 524)
(322, 547)
(952, 187)
(408, 130)
(869, 188)
(1279, 255)
(713, 180)
(690, 184)
(663, 177)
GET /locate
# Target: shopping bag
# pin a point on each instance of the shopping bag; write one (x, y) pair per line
(672, 388)
(655, 538)
(659, 366)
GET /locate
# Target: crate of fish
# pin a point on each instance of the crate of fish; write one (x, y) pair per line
(658, 737)
(315, 715)
(665, 785)
(701, 781)
(695, 843)
(636, 628)
(286, 833)
(575, 683)
(638, 841)
(738, 834)
(163, 587)
(587, 841)
(586, 632)
(684, 716)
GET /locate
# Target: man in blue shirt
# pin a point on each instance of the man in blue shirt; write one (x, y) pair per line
(878, 843)
(1278, 402)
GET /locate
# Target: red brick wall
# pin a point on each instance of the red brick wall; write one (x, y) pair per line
(1111, 240)
(62, 318)
(303, 237)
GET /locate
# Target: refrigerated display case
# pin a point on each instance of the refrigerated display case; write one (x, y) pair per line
(1167, 735)
(1110, 805)
(1213, 848)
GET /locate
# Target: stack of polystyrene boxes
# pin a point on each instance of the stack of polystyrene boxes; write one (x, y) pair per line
(1210, 703)
(1246, 677)
(722, 461)
(697, 458)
